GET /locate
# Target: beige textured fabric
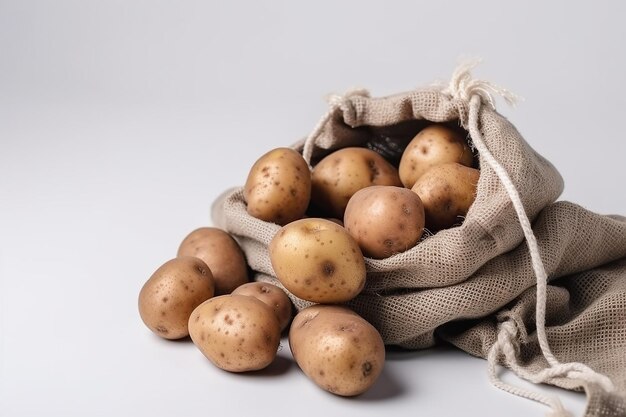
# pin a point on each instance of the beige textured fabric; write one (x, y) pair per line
(458, 284)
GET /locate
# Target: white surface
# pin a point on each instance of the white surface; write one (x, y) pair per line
(120, 122)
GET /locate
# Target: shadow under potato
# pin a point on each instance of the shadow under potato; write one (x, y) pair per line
(279, 366)
(385, 388)
(186, 339)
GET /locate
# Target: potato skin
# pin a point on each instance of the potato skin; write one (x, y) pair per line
(271, 295)
(278, 187)
(222, 255)
(434, 145)
(317, 260)
(342, 173)
(336, 348)
(385, 220)
(167, 299)
(447, 192)
(236, 333)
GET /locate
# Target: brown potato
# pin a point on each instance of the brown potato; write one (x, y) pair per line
(385, 220)
(317, 260)
(236, 333)
(222, 255)
(271, 295)
(344, 172)
(434, 145)
(278, 188)
(172, 292)
(336, 348)
(447, 192)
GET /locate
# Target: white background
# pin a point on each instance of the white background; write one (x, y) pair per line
(121, 121)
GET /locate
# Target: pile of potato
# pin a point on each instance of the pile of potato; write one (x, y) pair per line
(365, 205)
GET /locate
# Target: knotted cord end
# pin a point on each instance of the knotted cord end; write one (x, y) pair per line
(463, 87)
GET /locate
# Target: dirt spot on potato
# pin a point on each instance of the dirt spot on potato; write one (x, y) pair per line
(162, 329)
(328, 268)
(347, 327)
(366, 368)
(374, 171)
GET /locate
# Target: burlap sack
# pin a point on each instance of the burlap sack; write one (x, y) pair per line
(475, 285)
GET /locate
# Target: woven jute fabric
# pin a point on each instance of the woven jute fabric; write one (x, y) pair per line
(460, 283)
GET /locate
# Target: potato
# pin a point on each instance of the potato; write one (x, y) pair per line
(278, 188)
(271, 295)
(385, 220)
(236, 333)
(340, 351)
(317, 260)
(447, 192)
(172, 292)
(344, 172)
(434, 145)
(222, 255)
